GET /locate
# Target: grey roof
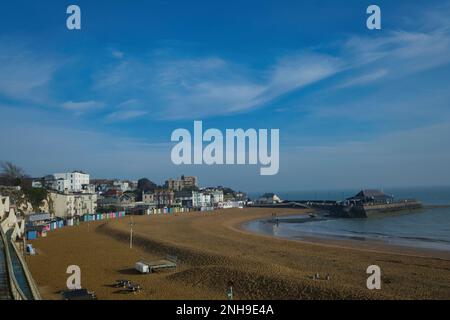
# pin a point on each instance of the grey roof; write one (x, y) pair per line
(369, 194)
(268, 195)
(38, 217)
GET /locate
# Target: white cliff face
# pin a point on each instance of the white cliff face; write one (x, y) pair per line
(4, 206)
(19, 201)
(25, 208)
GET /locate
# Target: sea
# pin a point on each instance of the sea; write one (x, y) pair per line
(426, 228)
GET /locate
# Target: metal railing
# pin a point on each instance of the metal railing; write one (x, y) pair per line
(16, 291)
(31, 283)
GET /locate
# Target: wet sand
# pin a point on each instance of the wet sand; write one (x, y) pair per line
(213, 249)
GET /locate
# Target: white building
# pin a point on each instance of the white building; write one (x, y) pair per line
(232, 204)
(61, 185)
(70, 181)
(66, 205)
(216, 197)
(269, 198)
(200, 199)
(121, 185)
(36, 184)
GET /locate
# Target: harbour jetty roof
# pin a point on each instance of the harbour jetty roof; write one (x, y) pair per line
(370, 194)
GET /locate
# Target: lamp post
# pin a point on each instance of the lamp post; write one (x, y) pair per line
(230, 290)
(131, 232)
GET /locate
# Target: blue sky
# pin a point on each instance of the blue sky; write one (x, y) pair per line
(355, 107)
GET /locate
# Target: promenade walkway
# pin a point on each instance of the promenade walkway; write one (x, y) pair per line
(4, 287)
(19, 273)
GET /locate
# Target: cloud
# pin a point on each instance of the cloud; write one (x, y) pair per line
(298, 71)
(363, 79)
(117, 54)
(67, 145)
(395, 54)
(129, 103)
(125, 115)
(210, 86)
(82, 106)
(187, 88)
(413, 157)
(25, 73)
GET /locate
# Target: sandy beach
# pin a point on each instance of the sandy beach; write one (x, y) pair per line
(213, 249)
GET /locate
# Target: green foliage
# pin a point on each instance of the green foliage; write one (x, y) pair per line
(145, 185)
(108, 209)
(35, 196)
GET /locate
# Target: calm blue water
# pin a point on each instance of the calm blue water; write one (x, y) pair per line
(425, 228)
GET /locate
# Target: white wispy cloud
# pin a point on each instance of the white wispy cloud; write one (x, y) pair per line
(82, 106)
(176, 87)
(25, 73)
(117, 54)
(363, 79)
(189, 88)
(411, 157)
(125, 115)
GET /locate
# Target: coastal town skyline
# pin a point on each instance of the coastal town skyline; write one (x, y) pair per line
(224, 158)
(355, 107)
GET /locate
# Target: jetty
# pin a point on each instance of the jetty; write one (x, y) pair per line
(362, 205)
(366, 203)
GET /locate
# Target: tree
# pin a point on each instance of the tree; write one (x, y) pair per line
(12, 174)
(146, 185)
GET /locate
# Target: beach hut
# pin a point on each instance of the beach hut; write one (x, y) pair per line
(31, 234)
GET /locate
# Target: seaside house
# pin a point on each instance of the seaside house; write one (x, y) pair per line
(269, 198)
(66, 205)
(70, 181)
(216, 195)
(121, 185)
(185, 182)
(115, 198)
(164, 198)
(148, 198)
(184, 198)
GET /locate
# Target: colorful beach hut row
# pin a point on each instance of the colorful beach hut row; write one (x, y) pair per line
(167, 210)
(177, 210)
(103, 216)
(41, 230)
